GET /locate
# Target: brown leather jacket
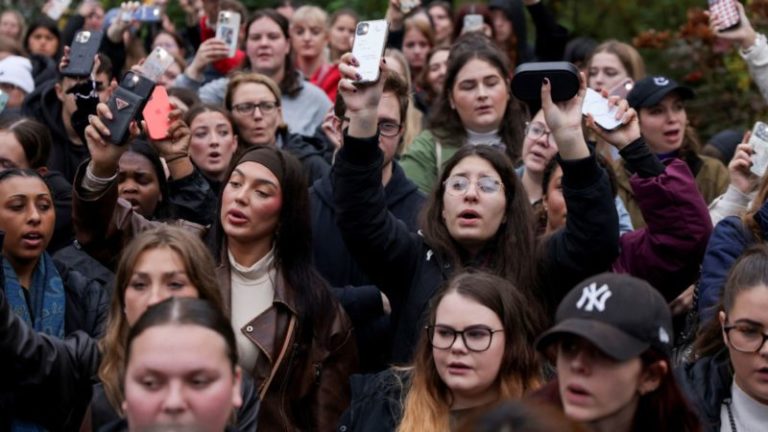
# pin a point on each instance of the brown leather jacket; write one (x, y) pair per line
(305, 387)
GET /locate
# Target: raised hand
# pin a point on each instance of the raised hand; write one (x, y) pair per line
(742, 177)
(623, 135)
(744, 34)
(209, 51)
(362, 100)
(105, 156)
(564, 120)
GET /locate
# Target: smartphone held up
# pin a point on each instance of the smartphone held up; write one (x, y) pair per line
(728, 13)
(368, 48)
(758, 141)
(228, 29)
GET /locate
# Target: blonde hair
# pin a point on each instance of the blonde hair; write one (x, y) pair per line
(310, 15)
(627, 55)
(414, 119)
(428, 402)
(201, 271)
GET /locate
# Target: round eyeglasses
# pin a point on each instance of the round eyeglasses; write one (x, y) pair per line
(248, 108)
(475, 338)
(458, 185)
(744, 337)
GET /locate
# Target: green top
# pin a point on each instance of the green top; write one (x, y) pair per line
(424, 159)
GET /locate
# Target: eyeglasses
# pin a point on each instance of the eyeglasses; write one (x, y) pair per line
(387, 129)
(248, 108)
(536, 130)
(746, 338)
(475, 338)
(458, 185)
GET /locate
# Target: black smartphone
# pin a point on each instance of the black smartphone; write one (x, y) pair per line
(563, 76)
(84, 48)
(125, 106)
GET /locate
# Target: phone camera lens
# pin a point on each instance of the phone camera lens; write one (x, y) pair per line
(362, 29)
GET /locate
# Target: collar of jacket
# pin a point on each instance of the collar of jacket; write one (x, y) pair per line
(269, 330)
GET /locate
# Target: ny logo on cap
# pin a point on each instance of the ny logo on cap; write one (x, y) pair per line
(593, 298)
(660, 81)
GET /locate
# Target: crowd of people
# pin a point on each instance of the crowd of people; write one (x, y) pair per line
(421, 252)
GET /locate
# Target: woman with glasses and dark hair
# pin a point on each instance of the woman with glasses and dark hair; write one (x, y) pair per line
(475, 350)
(728, 382)
(256, 105)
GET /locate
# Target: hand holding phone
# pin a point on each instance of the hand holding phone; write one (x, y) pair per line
(368, 48)
(84, 48)
(597, 106)
(727, 13)
(472, 22)
(156, 63)
(228, 30)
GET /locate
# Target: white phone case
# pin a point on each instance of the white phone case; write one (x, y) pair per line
(57, 8)
(758, 141)
(368, 49)
(596, 105)
(228, 29)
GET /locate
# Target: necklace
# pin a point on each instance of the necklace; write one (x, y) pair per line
(727, 403)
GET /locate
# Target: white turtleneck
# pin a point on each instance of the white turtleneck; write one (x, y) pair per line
(253, 290)
(487, 138)
(748, 414)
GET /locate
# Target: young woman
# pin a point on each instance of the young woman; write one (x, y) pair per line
(418, 39)
(611, 63)
(293, 339)
(476, 107)
(342, 26)
(415, 115)
(213, 142)
(611, 344)
(432, 79)
(44, 39)
(441, 15)
(181, 368)
(12, 24)
(309, 42)
(256, 106)
(142, 182)
(659, 102)
(726, 382)
(160, 263)
(476, 350)
(668, 252)
(268, 51)
(478, 215)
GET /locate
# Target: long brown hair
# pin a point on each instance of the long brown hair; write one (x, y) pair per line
(428, 401)
(444, 121)
(199, 268)
(513, 246)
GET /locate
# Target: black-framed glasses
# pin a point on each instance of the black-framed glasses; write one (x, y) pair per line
(475, 338)
(248, 108)
(536, 130)
(744, 337)
(458, 185)
(388, 129)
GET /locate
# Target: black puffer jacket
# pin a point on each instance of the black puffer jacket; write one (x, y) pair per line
(405, 268)
(707, 383)
(87, 301)
(309, 151)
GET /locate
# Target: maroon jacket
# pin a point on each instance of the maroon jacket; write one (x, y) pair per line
(668, 251)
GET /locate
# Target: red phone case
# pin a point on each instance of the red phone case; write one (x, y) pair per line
(156, 114)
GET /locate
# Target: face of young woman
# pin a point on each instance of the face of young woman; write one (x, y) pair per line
(251, 204)
(442, 22)
(438, 66)
(11, 152)
(470, 375)
(554, 201)
(342, 33)
(43, 42)
(750, 316)
(502, 26)
(308, 39)
(480, 96)
(539, 146)
(606, 71)
(157, 275)
(593, 386)
(27, 217)
(663, 125)
(266, 46)
(180, 375)
(10, 26)
(212, 144)
(473, 217)
(415, 48)
(137, 183)
(257, 127)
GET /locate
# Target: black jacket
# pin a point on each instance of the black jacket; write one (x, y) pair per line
(309, 151)
(87, 301)
(377, 402)
(352, 287)
(707, 383)
(409, 272)
(43, 105)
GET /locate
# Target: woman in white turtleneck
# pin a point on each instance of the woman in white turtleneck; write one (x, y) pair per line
(476, 108)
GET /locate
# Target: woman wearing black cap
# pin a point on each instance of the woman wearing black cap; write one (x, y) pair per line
(664, 125)
(611, 345)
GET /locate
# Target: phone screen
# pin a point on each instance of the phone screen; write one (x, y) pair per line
(370, 40)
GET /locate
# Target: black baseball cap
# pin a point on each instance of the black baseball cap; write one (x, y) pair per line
(649, 91)
(621, 315)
